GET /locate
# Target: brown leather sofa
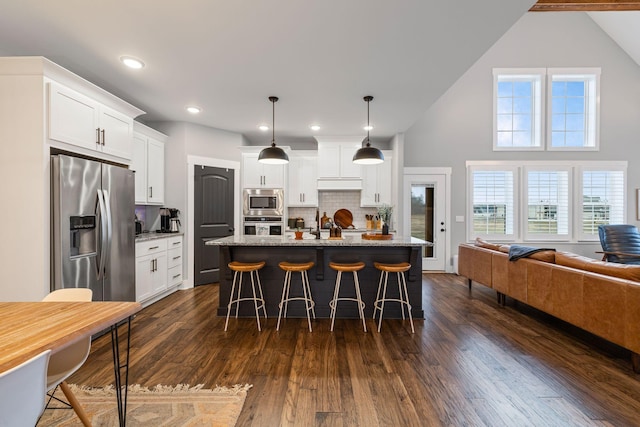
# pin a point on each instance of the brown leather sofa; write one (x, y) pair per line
(597, 296)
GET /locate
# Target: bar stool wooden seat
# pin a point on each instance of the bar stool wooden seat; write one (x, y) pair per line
(235, 298)
(347, 268)
(302, 268)
(381, 296)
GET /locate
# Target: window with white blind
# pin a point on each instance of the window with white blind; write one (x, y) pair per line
(557, 201)
(493, 203)
(548, 208)
(603, 200)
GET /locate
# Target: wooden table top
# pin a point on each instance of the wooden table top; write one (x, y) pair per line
(29, 328)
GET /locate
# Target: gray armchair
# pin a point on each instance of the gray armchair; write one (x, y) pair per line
(620, 243)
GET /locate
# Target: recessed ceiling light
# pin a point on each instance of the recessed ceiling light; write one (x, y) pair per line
(314, 127)
(263, 128)
(194, 110)
(132, 62)
(369, 127)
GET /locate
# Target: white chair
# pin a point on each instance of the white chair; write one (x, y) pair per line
(65, 362)
(22, 392)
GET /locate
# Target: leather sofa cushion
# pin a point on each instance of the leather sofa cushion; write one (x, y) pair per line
(623, 271)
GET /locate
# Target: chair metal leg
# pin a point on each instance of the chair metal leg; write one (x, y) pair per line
(384, 295)
(307, 305)
(285, 294)
(359, 299)
(233, 289)
(255, 300)
(312, 304)
(406, 299)
(334, 302)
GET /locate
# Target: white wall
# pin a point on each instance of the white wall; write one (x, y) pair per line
(458, 127)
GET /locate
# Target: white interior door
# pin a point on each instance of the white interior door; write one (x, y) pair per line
(426, 216)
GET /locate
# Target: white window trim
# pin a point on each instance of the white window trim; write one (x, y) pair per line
(520, 200)
(537, 108)
(594, 129)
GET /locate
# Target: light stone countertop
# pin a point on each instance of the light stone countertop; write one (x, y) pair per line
(152, 235)
(310, 240)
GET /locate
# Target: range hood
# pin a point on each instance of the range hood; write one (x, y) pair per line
(339, 184)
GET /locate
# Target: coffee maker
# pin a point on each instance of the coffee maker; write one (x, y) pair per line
(174, 222)
(165, 220)
(169, 221)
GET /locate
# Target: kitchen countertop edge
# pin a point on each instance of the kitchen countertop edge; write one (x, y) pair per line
(355, 240)
(152, 235)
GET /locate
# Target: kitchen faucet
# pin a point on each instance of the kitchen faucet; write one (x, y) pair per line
(317, 232)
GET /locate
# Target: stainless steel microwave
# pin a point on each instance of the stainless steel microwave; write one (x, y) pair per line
(263, 202)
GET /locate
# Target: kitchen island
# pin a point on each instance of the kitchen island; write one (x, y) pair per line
(352, 248)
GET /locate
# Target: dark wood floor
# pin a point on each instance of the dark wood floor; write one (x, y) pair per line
(471, 362)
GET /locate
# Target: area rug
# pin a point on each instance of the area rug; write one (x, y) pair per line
(180, 405)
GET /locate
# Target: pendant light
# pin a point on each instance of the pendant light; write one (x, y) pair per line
(273, 155)
(368, 155)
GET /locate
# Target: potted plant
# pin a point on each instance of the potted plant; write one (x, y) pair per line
(385, 211)
(298, 233)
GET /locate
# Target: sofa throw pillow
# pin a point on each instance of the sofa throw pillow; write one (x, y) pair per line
(622, 271)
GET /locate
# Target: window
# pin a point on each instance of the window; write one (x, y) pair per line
(603, 200)
(561, 201)
(517, 109)
(493, 201)
(573, 110)
(547, 203)
(571, 105)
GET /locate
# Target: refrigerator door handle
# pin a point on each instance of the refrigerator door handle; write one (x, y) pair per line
(107, 241)
(103, 234)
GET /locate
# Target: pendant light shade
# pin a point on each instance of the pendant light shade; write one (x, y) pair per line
(273, 155)
(368, 155)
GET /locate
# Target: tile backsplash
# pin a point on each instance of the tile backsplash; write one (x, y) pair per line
(330, 202)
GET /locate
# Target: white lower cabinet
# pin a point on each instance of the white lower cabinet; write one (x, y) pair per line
(158, 267)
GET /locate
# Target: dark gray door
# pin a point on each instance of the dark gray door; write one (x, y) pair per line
(213, 218)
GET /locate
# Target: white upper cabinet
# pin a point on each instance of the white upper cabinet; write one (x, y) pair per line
(376, 182)
(148, 164)
(335, 160)
(260, 175)
(303, 176)
(79, 120)
(336, 170)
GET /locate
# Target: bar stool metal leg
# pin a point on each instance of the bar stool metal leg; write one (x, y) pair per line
(341, 268)
(309, 305)
(403, 294)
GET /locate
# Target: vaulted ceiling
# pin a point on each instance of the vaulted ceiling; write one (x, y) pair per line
(319, 57)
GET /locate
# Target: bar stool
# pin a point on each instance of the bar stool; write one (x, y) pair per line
(251, 268)
(381, 298)
(346, 268)
(302, 268)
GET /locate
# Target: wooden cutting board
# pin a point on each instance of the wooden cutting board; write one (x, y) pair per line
(343, 218)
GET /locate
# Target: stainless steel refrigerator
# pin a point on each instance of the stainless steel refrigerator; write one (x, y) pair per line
(93, 228)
